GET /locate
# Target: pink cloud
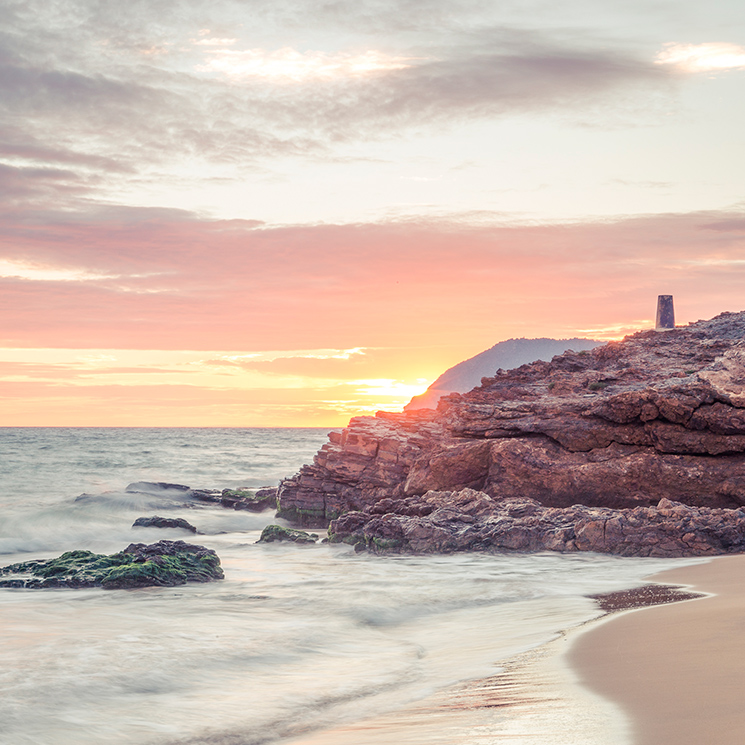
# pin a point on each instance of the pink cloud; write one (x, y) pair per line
(182, 283)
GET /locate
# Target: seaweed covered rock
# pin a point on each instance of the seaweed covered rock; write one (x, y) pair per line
(162, 564)
(274, 533)
(163, 522)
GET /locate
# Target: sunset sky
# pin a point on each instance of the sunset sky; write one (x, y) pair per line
(289, 212)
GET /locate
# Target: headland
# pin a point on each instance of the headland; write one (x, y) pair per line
(635, 448)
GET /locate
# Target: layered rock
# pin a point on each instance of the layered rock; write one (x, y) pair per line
(656, 416)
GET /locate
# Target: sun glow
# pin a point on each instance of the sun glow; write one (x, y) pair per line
(615, 332)
(40, 273)
(703, 57)
(390, 387)
(131, 387)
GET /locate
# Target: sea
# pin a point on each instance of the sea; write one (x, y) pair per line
(297, 644)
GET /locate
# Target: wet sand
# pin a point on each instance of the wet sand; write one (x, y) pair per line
(678, 670)
(534, 698)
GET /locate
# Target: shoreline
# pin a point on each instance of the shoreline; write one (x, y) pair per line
(674, 670)
(534, 699)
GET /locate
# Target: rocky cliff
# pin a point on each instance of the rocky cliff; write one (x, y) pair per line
(657, 416)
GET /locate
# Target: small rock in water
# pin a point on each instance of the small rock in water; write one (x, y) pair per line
(250, 499)
(277, 533)
(253, 500)
(163, 522)
(162, 564)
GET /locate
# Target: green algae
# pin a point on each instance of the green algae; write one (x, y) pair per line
(272, 533)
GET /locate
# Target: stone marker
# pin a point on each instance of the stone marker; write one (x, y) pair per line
(665, 313)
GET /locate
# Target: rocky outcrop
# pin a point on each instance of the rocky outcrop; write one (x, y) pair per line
(469, 520)
(162, 564)
(658, 416)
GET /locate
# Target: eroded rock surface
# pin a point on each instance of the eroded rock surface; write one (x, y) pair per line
(658, 416)
(468, 520)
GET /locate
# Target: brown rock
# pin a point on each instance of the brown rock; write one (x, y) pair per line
(668, 529)
(656, 416)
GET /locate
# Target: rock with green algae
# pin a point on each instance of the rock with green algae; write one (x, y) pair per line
(163, 522)
(277, 533)
(162, 564)
(250, 499)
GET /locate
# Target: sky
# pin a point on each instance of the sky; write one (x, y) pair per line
(288, 213)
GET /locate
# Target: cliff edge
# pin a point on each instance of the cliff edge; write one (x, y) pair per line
(654, 422)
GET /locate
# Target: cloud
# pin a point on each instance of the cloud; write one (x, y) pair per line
(289, 65)
(81, 75)
(736, 224)
(186, 283)
(25, 270)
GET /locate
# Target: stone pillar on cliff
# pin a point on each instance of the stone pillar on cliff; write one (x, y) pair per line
(665, 313)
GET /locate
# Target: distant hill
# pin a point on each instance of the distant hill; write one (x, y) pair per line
(466, 375)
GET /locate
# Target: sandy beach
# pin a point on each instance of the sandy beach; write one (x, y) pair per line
(676, 670)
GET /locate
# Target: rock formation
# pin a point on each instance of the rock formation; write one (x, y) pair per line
(658, 416)
(472, 521)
